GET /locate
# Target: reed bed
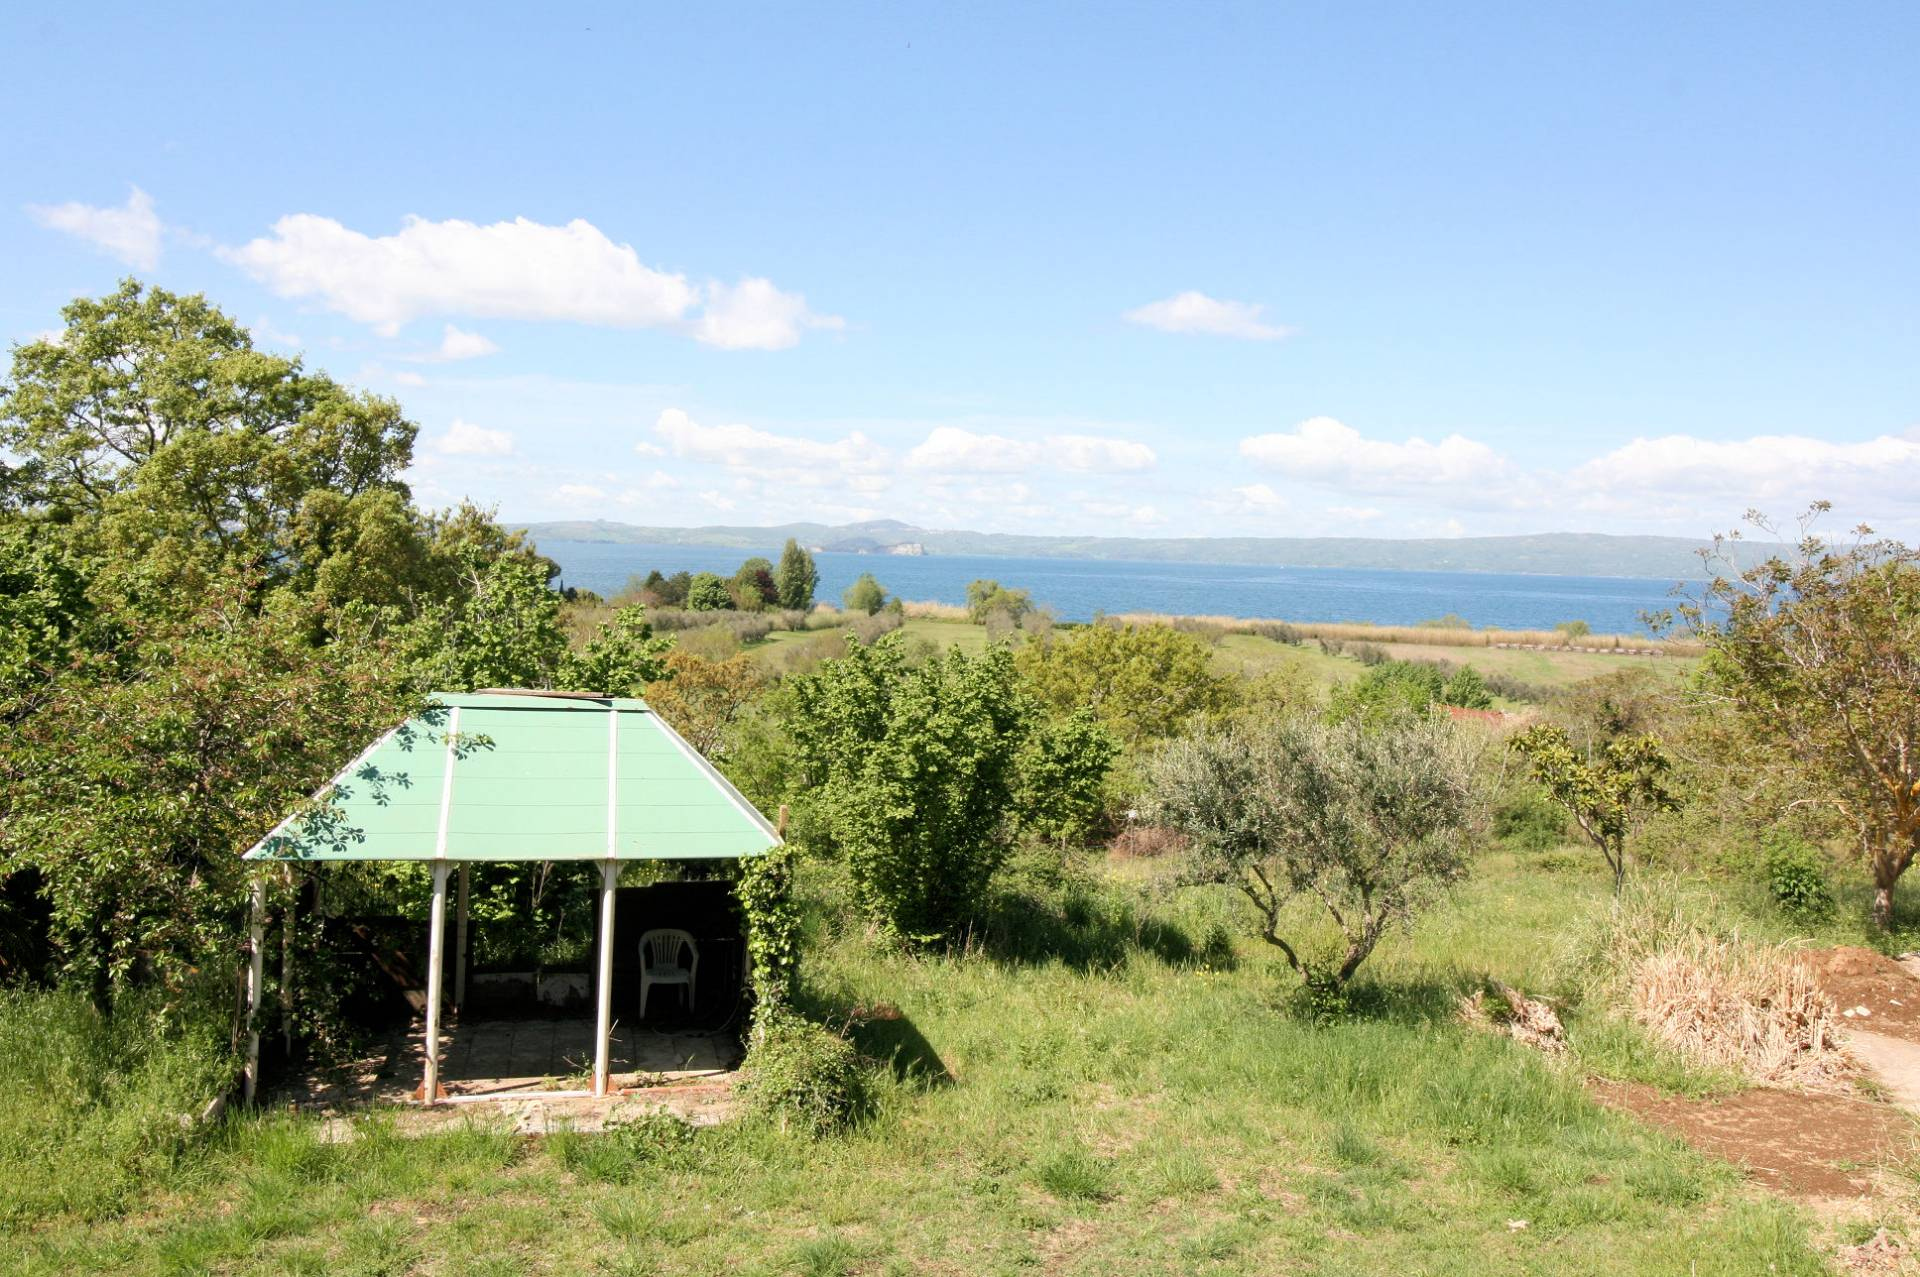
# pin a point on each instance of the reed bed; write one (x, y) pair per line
(1429, 635)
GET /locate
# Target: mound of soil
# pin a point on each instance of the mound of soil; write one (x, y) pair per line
(1855, 978)
(1810, 1146)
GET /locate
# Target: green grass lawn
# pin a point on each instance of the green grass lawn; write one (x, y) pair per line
(1107, 1082)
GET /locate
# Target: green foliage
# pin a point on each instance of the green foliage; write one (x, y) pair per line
(796, 578)
(1370, 821)
(805, 1077)
(1392, 687)
(1466, 689)
(1820, 653)
(1529, 821)
(765, 892)
(1573, 629)
(1063, 772)
(910, 773)
(1796, 876)
(865, 595)
(506, 633)
(620, 660)
(706, 592)
(985, 598)
(1144, 682)
(44, 609)
(753, 586)
(1601, 788)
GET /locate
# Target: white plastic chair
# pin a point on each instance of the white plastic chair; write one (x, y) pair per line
(660, 951)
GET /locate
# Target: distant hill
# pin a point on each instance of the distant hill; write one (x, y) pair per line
(1551, 553)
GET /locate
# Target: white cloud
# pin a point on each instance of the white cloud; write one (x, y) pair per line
(1323, 450)
(795, 459)
(1195, 312)
(513, 270)
(1354, 513)
(1145, 516)
(646, 449)
(1766, 470)
(1260, 498)
(406, 378)
(456, 344)
(130, 233)
(464, 439)
(718, 500)
(578, 494)
(754, 315)
(954, 450)
(656, 481)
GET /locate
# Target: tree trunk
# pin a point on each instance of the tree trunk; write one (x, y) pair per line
(1883, 903)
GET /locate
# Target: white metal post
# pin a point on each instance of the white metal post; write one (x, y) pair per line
(436, 954)
(460, 945)
(603, 1011)
(256, 982)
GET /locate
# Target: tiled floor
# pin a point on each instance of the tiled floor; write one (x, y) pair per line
(520, 1058)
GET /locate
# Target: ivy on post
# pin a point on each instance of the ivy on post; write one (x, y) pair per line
(765, 891)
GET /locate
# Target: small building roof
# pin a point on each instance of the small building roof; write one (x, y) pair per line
(511, 775)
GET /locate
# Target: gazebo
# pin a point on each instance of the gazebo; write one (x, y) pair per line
(509, 775)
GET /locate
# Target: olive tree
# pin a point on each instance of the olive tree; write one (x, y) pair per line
(1818, 651)
(1370, 822)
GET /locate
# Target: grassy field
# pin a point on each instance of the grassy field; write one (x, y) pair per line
(1252, 654)
(1108, 1081)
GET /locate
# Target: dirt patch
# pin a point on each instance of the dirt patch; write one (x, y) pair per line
(1810, 1146)
(1856, 978)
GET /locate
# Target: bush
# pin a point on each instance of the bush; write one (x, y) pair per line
(1530, 821)
(1573, 629)
(708, 593)
(804, 1077)
(1278, 631)
(1796, 876)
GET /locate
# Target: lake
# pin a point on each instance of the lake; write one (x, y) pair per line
(1078, 589)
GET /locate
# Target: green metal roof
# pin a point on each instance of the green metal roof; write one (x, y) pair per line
(525, 776)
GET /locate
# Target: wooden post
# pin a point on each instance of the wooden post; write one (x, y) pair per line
(460, 944)
(603, 1009)
(436, 955)
(256, 981)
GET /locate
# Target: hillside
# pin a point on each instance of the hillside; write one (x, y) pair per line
(1554, 553)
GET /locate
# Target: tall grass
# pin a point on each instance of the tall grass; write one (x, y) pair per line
(93, 1108)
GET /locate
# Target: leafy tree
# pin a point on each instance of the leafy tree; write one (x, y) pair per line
(705, 698)
(1573, 629)
(1371, 822)
(1144, 682)
(796, 578)
(131, 796)
(44, 611)
(1063, 771)
(910, 774)
(753, 586)
(706, 592)
(1601, 788)
(986, 598)
(1465, 688)
(865, 595)
(506, 634)
(1819, 652)
(620, 660)
(152, 425)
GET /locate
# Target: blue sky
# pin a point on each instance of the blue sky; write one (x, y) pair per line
(1167, 270)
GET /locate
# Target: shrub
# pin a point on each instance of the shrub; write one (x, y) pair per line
(1530, 821)
(804, 1077)
(865, 595)
(1573, 629)
(1796, 875)
(1278, 631)
(708, 593)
